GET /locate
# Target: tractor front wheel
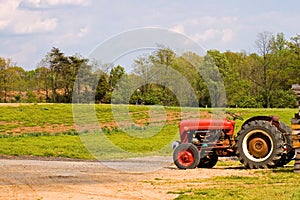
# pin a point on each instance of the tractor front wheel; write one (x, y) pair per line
(186, 156)
(209, 160)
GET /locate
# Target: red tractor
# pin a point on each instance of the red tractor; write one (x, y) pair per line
(262, 142)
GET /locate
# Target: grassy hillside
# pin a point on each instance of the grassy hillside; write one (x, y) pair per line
(49, 129)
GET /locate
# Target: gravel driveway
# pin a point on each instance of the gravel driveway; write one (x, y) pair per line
(52, 179)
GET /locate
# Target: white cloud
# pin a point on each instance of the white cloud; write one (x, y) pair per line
(217, 35)
(83, 32)
(178, 28)
(52, 3)
(211, 21)
(33, 24)
(228, 35)
(228, 19)
(17, 21)
(206, 35)
(76, 34)
(72, 37)
(210, 29)
(7, 10)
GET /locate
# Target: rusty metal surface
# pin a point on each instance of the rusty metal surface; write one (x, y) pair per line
(258, 147)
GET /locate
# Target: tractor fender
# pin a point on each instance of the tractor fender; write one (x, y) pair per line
(273, 119)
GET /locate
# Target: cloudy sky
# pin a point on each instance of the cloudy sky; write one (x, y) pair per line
(30, 28)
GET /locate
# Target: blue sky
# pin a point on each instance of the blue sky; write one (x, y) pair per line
(30, 28)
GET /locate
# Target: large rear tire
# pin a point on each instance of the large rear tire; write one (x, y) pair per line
(186, 156)
(259, 144)
(289, 152)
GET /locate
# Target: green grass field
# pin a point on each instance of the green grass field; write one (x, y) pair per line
(49, 130)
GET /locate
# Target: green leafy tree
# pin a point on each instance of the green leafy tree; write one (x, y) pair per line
(115, 75)
(263, 44)
(142, 68)
(85, 83)
(102, 89)
(63, 72)
(294, 58)
(10, 77)
(43, 81)
(238, 86)
(31, 97)
(162, 63)
(124, 89)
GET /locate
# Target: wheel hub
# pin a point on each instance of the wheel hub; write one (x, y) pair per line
(185, 157)
(258, 147)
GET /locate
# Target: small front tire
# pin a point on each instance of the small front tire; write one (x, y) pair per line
(186, 156)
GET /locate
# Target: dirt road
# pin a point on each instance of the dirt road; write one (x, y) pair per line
(44, 179)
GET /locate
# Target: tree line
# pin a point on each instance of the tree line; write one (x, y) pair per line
(251, 80)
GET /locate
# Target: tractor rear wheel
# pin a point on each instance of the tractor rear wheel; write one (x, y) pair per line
(186, 156)
(209, 160)
(259, 144)
(289, 152)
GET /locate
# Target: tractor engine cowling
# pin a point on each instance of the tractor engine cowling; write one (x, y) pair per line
(200, 128)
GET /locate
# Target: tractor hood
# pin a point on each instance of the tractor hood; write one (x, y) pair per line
(207, 124)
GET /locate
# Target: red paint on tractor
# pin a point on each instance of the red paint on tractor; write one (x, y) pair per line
(205, 124)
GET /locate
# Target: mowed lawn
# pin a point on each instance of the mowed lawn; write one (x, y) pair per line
(49, 129)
